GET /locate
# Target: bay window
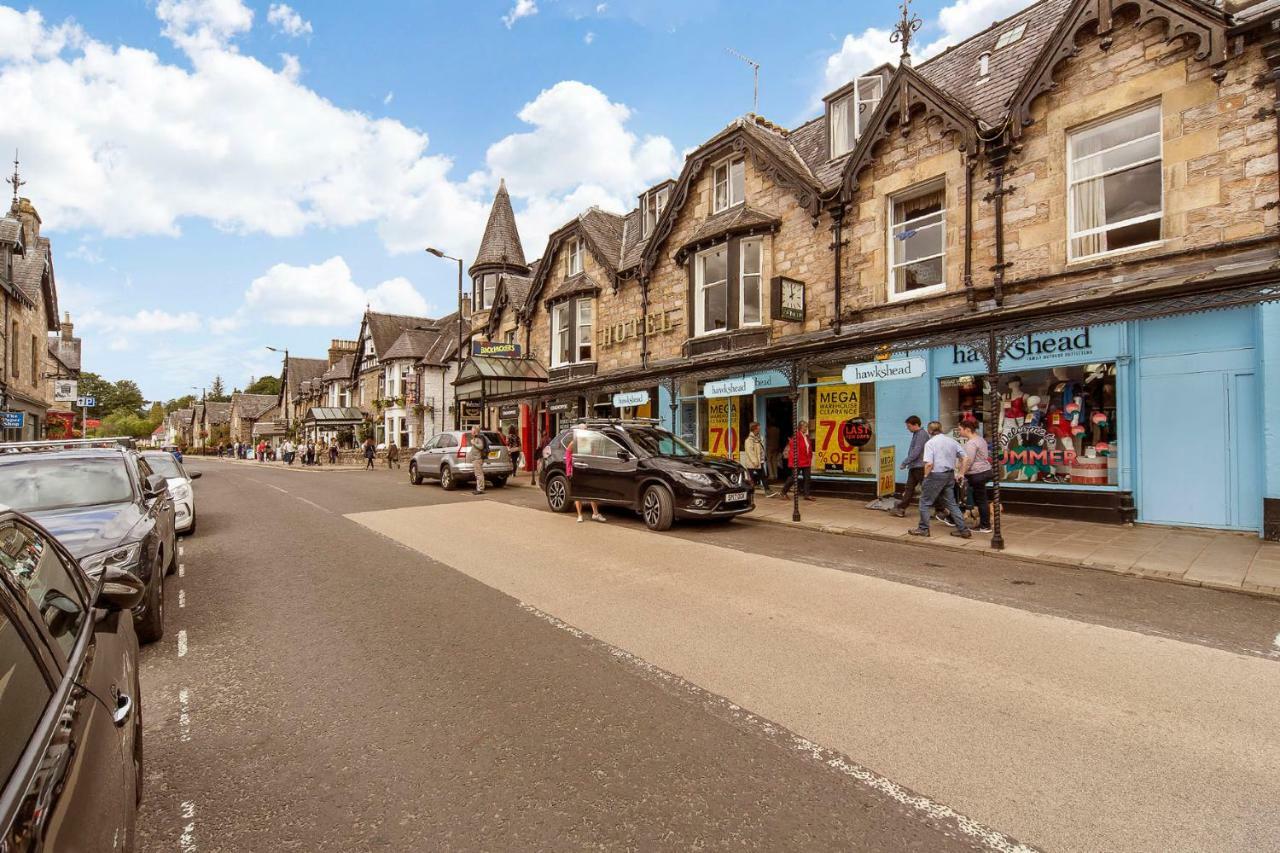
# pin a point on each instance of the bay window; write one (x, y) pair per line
(584, 330)
(561, 352)
(572, 332)
(711, 290)
(749, 282)
(1115, 184)
(729, 184)
(484, 287)
(917, 241)
(572, 257)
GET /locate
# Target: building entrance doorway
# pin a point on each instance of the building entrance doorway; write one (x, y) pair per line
(777, 429)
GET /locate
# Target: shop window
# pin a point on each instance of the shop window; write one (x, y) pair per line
(572, 257)
(584, 330)
(842, 425)
(711, 291)
(655, 202)
(749, 282)
(729, 185)
(1059, 425)
(917, 242)
(847, 116)
(1115, 184)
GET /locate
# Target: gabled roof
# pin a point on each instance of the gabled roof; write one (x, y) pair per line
(412, 343)
(33, 276)
(299, 370)
(252, 406)
(384, 329)
(445, 347)
(11, 232)
(340, 369)
(66, 351)
(602, 233)
(217, 413)
(501, 241)
(740, 219)
(572, 286)
(633, 239)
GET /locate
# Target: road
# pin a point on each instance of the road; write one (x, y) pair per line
(353, 663)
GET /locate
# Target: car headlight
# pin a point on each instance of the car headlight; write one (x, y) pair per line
(180, 492)
(695, 478)
(124, 557)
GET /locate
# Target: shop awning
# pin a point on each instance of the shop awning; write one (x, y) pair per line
(484, 376)
(333, 416)
(266, 429)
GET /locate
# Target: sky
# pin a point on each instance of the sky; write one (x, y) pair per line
(220, 176)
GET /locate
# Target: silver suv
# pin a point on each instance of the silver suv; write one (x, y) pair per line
(445, 459)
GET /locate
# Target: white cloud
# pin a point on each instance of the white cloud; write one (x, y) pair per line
(86, 253)
(25, 38)
(322, 294)
(287, 21)
(290, 67)
(589, 38)
(198, 25)
(388, 98)
(858, 55)
(144, 321)
(601, 8)
(963, 18)
(522, 9)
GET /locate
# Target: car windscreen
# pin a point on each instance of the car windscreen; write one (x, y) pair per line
(164, 464)
(50, 482)
(659, 442)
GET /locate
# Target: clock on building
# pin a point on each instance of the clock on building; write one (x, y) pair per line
(788, 298)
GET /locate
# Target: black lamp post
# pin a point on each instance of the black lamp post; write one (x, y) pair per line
(285, 351)
(457, 407)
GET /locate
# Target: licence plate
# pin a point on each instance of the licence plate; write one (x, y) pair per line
(734, 497)
(493, 454)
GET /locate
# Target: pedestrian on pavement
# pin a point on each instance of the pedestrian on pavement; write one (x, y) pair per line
(800, 456)
(513, 447)
(393, 456)
(569, 451)
(941, 455)
(369, 453)
(753, 458)
(333, 453)
(287, 448)
(913, 465)
(477, 452)
(311, 453)
(977, 471)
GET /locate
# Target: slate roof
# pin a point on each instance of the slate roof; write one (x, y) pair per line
(445, 347)
(385, 329)
(66, 351)
(252, 406)
(29, 269)
(412, 343)
(517, 288)
(604, 230)
(580, 283)
(299, 370)
(632, 242)
(501, 241)
(11, 230)
(217, 413)
(340, 369)
(734, 220)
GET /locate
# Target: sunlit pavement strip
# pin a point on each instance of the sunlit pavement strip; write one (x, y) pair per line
(1062, 734)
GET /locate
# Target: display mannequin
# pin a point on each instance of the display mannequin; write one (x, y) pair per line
(1013, 405)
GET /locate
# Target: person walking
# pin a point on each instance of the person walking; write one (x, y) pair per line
(569, 451)
(393, 456)
(754, 459)
(477, 452)
(941, 455)
(799, 455)
(976, 468)
(333, 453)
(513, 447)
(913, 465)
(369, 453)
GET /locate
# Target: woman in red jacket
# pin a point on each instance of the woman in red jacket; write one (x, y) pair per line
(800, 457)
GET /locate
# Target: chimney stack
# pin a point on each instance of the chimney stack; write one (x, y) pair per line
(66, 329)
(339, 348)
(26, 213)
(466, 306)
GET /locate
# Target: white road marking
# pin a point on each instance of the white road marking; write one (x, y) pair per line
(187, 841)
(182, 598)
(184, 715)
(987, 838)
(181, 551)
(1276, 644)
(314, 504)
(182, 643)
(182, 570)
(277, 488)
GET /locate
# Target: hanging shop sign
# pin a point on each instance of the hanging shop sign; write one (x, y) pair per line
(492, 348)
(883, 371)
(722, 432)
(65, 390)
(735, 387)
(630, 399)
(837, 410)
(560, 407)
(12, 420)
(508, 413)
(648, 326)
(471, 408)
(885, 485)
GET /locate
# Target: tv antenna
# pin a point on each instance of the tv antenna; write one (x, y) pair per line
(755, 78)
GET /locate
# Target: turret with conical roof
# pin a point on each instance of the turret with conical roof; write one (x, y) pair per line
(500, 252)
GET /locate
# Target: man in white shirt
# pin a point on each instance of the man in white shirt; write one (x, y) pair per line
(941, 468)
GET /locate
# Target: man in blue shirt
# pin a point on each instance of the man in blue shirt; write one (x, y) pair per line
(913, 464)
(941, 458)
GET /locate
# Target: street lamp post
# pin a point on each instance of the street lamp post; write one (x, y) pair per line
(284, 380)
(457, 407)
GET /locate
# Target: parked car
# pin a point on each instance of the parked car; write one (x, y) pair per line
(181, 487)
(107, 506)
(71, 742)
(444, 458)
(641, 466)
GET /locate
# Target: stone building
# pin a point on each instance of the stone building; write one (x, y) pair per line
(1064, 227)
(30, 297)
(297, 377)
(246, 410)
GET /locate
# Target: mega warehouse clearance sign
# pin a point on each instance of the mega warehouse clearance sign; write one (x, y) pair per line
(839, 429)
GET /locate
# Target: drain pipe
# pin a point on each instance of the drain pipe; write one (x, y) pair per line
(969, 295)
(999, 159)
(837, 229)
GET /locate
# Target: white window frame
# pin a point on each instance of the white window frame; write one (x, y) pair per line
(891, 282)
(573, 257)
(984, 64)
(558, 329)
(727, 165)
(860, 116)
(1072, 181)
(742, 282)
(584, 340)
(657, 200)
(700, 285)
(1011, 35)
(391, 381)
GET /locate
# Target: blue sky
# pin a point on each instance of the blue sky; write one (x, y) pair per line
(222, 175)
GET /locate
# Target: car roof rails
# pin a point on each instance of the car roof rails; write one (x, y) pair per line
(118, 442)
(615, 421)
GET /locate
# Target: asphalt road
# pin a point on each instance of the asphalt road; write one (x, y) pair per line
(324, 685)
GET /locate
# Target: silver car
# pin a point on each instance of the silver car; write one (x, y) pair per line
(445, 459)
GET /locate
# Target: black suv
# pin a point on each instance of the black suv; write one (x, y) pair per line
(105, 505)
(640, 465)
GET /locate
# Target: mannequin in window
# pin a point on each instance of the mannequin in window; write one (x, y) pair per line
(1013, 405)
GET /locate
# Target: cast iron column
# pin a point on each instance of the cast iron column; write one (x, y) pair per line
(994, 351)
(795, 429)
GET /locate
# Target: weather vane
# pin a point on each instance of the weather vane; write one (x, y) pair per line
(903, 30)
(15, 180)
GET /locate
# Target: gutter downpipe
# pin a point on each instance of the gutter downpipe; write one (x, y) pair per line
(837, 228)
(970, 298)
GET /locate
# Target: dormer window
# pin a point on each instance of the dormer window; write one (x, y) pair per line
(984, 65)
(729, 185)
(848, 115)
(572, 257)
(1010, 35)
(655, 201)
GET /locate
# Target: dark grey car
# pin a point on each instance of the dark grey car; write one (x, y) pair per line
(444, 458)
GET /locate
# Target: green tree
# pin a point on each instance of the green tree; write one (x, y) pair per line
(218, 391)
(127, 422)
(184, 402)
(265, 385)
(127, 396)
(110, 396)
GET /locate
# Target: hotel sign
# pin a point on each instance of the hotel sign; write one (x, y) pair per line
(882, 371)
(648, 326)
(729, 387)
(499, 350)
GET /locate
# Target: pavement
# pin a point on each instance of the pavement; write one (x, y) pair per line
(351, 667)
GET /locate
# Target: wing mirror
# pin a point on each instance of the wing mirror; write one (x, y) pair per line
(154, 485)
(119, 590)
(624, 455)
(196, 475)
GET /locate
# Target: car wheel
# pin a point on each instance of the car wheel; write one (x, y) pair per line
(498, 481)
(558, 493)
(447, 481)
(414, 477)
(657, 508)
(151, 626)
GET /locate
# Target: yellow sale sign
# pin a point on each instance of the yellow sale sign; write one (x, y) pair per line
(722, 431)
(836, 403)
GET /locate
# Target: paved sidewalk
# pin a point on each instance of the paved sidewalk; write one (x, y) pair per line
(1240, 562)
